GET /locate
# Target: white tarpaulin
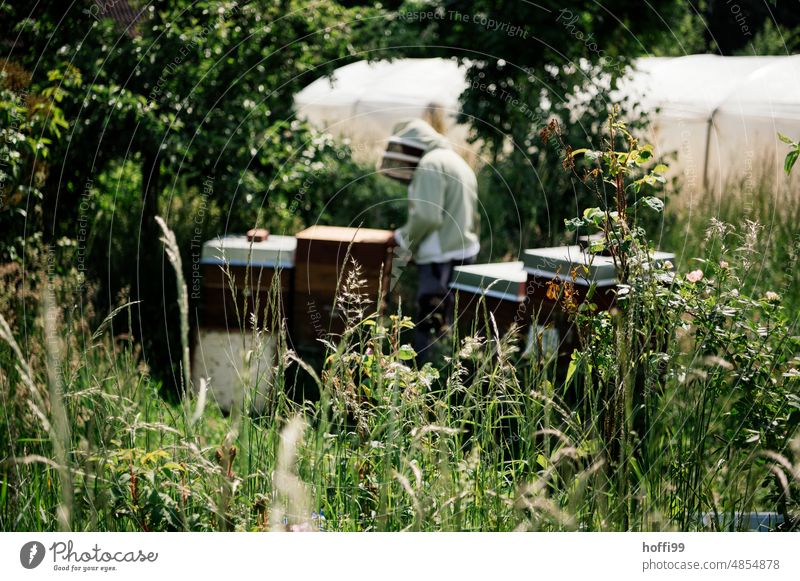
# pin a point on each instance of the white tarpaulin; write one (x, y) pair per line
(719, 115)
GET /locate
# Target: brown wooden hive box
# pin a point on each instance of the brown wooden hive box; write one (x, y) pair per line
(551, 270)
(253, 267)
(516, 297)
(496, 288)
(320, 264)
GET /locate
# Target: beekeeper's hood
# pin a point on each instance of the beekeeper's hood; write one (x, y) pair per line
(418, 132)
(409, 142)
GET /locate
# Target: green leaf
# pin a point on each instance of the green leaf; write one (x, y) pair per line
(653, 203)
(597, 247)
(406, 353)
(173, 466)
(644, 154)
(791, 159)
(594, 216)
(573, 366)
(785, 139)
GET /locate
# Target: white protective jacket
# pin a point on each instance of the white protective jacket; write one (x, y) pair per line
(443, 198)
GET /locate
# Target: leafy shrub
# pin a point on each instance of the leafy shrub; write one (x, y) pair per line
(697, 339)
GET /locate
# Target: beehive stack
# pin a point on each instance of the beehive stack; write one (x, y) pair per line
(238, 276)
(251, 268)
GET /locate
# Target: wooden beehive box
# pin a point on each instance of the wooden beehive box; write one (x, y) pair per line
(501, 285)
(560, 264)
(322, 260)
(572, 264)
(548, 270)
(251, 267)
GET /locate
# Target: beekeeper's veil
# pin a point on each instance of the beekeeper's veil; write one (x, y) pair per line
(409, 142)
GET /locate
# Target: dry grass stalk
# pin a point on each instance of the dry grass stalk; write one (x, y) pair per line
(292, 505)
(174, 256)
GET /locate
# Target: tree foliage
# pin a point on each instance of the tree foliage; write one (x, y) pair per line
(190, 93)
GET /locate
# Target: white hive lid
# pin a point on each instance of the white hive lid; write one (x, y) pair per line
(591, 268)
(503, 280)
(275, 251)
(562, 260)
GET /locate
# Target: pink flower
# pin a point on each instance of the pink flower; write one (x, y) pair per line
(303, 527)
(695, 276)
(772, 297)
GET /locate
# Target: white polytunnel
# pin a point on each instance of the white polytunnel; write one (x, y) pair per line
(363, 101)
(719, 116)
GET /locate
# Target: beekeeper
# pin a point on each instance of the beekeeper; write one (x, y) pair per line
(442, 218)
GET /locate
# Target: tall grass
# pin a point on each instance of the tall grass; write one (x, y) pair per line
(769, 201)
(487, 439)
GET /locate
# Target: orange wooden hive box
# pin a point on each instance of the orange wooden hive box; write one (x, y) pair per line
(323, 259)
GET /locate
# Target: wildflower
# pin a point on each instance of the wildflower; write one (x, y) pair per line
(469, 346)
(568, 163)
(427, 374)
(668, 265)
(318, 520)
(549, 130)
(569, 302)
(553, 290)
(771, 297)
(394, 368)
(695, 276)
(717, 228)
(723, 265)
(303, 527)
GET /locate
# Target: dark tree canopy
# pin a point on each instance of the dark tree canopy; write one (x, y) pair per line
(188, 93)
